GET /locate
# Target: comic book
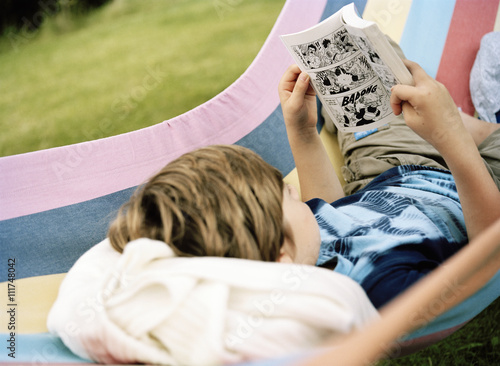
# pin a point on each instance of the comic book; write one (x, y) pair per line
(352, 67)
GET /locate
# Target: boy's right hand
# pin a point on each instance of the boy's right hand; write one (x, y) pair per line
(428, 109)
(298, 101)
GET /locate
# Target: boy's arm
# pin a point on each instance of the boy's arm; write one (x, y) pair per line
(461, 275)
(430, 111)
(317, 177)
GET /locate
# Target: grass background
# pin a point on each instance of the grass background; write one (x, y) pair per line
(132, 64)
(90, 77)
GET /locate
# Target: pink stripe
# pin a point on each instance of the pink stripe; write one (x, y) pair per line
(471, 21)
(53, 178)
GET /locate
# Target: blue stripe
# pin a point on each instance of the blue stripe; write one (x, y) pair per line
(333, 6)
(50, 242)
(463, 312)
(39, 349)
(270, 141)
(424, 35)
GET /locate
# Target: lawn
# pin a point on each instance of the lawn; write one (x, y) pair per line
(132, 64)
(126, 66)
(477, 343)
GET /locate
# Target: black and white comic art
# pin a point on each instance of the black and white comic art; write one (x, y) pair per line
(352, 68)
(344, 77)
(364, 106)
(349, 77)
(379, 67)
(326, 51)
(366, 47)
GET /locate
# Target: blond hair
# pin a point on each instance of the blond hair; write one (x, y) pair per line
(222, 201)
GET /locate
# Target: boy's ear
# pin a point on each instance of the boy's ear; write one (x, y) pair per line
(287, 251)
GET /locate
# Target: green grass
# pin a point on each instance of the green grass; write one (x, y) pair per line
(132, 64)
(477, 343)
(126, 66)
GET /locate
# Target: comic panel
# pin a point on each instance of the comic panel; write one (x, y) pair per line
(384, 72)
(386, 76)
(326, 51)
(363, 107)
(367, 48)
(344, 77)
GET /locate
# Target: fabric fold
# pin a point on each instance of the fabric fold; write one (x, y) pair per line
(147, 305)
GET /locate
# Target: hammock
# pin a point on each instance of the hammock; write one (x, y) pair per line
(56, 204)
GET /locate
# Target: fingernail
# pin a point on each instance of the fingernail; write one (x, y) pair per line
(304, 77)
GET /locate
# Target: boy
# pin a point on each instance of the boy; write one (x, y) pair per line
(226, 201)
(389, 233)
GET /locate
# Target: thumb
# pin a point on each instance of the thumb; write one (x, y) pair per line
(301, 87)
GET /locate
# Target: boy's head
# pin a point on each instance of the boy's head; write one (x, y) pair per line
(222, 201)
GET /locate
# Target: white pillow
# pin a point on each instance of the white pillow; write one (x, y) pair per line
(149, 306)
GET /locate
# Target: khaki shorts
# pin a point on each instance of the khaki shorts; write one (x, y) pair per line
(396, 144)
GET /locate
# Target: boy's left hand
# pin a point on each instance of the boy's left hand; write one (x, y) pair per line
(298, 101)
(317, 178)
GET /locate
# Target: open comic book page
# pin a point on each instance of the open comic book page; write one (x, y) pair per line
(384, 72)
(344, 71)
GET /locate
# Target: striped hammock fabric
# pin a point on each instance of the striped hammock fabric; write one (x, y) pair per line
(56, 204)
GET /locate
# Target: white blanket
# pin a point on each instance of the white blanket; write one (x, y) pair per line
(149, 306)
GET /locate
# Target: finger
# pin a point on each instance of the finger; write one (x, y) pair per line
(403, 93)
(310, 90)
(408, 111)
(416, 71)
(301, 87)
(399, 94)
(290, 75)
(395, 102)
(287, 81)
(294, 69)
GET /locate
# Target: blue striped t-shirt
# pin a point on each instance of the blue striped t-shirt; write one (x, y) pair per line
(394, 231)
